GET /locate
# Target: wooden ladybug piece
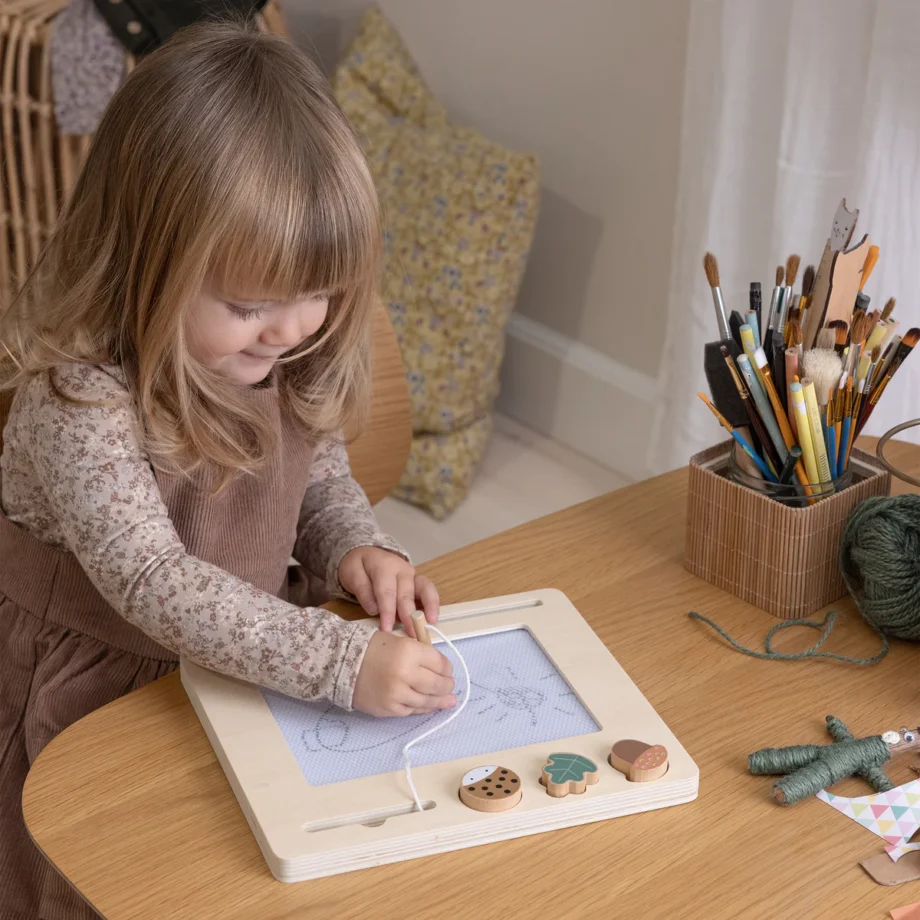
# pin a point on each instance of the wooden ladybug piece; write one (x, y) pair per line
(640, 762)
(491, 789)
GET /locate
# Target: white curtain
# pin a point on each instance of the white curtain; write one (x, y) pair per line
(789, 106)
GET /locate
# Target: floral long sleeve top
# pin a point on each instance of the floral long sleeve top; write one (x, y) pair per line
(63, 465)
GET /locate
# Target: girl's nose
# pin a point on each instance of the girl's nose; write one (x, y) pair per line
(284, 330)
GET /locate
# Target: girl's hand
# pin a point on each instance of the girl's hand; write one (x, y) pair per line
(402, 677)
(387, 586)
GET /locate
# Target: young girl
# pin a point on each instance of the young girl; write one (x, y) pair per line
(183, 360)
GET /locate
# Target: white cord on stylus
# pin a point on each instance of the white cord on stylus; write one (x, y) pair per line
(440, 725)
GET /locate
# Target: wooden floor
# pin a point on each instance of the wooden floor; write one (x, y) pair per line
(523, 476)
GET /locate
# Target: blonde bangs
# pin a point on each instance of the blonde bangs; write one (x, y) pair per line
(292, 235)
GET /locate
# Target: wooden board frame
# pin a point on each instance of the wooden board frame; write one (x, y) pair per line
(312, 831)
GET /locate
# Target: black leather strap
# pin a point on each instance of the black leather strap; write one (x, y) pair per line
(143, 25)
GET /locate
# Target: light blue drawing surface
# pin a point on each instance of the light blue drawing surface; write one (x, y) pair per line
(518, 698)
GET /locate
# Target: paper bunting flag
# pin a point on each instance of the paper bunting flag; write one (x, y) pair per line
(894, 816)
(896, 852)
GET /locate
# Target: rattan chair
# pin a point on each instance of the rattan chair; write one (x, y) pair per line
(38, 164)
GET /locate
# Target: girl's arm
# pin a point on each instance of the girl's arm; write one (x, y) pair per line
(335, 518)
(98, 483)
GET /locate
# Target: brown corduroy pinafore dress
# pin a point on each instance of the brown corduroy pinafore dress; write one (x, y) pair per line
(65, 652)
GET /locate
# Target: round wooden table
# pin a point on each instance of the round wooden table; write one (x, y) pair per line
(132, 806)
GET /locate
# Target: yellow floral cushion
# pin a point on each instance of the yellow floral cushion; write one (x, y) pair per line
(459, 214)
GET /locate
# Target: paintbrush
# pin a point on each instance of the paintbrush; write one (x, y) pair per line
(797, 335)
(711, 267)
(841, 331)
(721, 387)
(775, 299)
(808, 285)
(838, 425)
(792, 374)
(908, 343)
(748, 450)
(876, 336)
(792, 271)
(888, 310)
(794, 457)
(763, 442)
(891, 333)
(823, 366)
(867, 365)
(826, 340)
(758, 394)
(831, 434)
(860, 328)
(844, 447)
(777, 361)
(781, 418)
(754, 306)
(888, 354)
(794, 334)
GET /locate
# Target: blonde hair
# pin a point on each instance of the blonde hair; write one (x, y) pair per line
(224, 155)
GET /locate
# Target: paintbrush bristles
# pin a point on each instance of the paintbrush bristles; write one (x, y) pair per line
(862, 326)
(792, 269)
(876, 355)
(911, 337)
(823, 365)
(889, 309)
(827, 339)
(808, 281)
(841, 328)
(711, 267)
(780, 274)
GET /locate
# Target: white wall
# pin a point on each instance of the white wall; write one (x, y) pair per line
(595, 89)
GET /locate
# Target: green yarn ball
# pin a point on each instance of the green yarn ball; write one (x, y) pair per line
(880, 562)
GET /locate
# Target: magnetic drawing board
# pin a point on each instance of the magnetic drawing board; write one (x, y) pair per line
(324, 791)
(518, 698)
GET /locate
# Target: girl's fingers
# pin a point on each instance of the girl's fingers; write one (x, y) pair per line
(435, 662)
(428, 599)
(362, 589)
(405, 600)
(383, 579)
(431, 684)
(424, 703)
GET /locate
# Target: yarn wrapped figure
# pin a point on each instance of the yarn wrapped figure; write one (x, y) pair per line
(809, 768)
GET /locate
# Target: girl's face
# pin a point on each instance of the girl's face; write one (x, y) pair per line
(243, 339)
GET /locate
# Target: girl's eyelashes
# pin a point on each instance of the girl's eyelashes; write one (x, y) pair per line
(246, 312)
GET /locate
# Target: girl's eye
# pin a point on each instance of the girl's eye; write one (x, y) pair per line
(246, 312)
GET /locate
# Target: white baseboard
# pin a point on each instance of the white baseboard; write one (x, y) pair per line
(579, 396)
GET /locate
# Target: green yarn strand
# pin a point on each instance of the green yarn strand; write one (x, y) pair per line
(824, 627)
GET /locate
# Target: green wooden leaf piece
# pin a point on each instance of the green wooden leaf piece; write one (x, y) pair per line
(564, 768)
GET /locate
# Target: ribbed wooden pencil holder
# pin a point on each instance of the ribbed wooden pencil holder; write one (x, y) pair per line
(778, 558)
